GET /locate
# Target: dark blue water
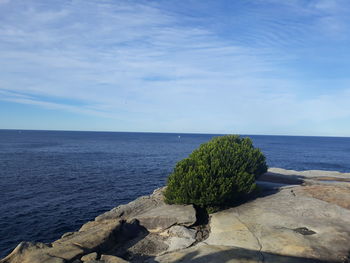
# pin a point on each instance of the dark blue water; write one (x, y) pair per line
(53, 182)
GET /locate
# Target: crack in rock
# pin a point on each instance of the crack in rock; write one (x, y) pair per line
(262, 257)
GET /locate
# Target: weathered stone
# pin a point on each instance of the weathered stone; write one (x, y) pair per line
(181, 231)
(65, 251)
(67, 234)
(302, 224)
(87, 226)
(177, 243)
(335, 194)
(309, 174)
(91, 256)
(112, 259)
(165, 216)
(136, 207)
(268, 225)
(150, 245)
(97, 236)
(28, 252)
(203, 253)
(281, 176)
(179, 237)
(226, 229)
(152, 213)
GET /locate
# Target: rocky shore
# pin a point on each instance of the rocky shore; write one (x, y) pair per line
(297, 217)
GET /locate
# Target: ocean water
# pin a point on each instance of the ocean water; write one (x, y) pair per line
(51, 182)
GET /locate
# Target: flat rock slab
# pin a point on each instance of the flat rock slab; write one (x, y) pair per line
(165, 216)
(203, 253)
(179, 237)
(67, 248)
(270, 225)
(339, 195)
(228, 230)
(112, 259)
(91, 238)
(317, 174)
(136, 207)
(181, 232)
(152, 212)
(91, 256)
(28, 252)
(150, 245)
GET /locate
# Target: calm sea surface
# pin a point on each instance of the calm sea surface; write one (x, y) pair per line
(53, 182)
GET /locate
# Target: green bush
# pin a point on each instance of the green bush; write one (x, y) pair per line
(219, 173)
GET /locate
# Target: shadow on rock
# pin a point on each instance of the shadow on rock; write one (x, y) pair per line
(218, 254)
(130, 234)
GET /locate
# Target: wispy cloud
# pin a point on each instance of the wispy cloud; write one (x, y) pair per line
(148, 63)
(32, 100)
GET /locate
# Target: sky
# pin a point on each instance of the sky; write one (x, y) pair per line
(219, 66)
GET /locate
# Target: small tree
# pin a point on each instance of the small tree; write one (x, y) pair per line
(218, 173)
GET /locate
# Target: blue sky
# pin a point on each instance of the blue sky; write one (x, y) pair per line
(245, 66)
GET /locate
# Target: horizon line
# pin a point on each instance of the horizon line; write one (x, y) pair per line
(159, 132)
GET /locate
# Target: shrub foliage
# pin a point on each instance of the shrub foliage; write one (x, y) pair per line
(218, 173)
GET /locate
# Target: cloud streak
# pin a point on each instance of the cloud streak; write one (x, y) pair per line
(158, 69)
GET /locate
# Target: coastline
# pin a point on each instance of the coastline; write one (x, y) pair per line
(300, 216)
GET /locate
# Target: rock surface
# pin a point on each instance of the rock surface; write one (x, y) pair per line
(89, 257)
(309, 174)
(269, 224)
(112, 259)
(69, 247)
(203, 253)
(136, 207)
(179, 237)
(165, 216)
(135, 230)
(299, 217)
(305, 221)
(338, 194)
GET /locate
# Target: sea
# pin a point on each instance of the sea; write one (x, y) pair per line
(52, 182)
